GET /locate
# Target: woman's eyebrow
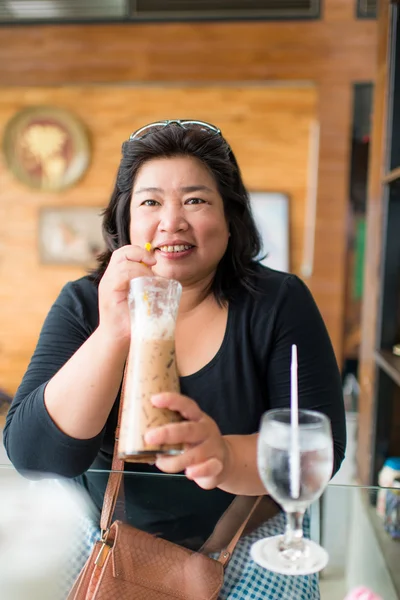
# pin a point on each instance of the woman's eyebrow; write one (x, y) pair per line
(147, 189)
(185, 189)
(195, 188)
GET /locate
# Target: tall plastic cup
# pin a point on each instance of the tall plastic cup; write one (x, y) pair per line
(151, 366)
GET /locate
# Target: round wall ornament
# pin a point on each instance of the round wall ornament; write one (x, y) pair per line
(47, 148)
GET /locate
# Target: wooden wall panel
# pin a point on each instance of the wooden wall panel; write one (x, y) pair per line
(332, 54)
(267, 126)
(328, 279)
(309, 50)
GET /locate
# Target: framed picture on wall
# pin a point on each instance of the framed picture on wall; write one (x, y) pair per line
(271, 213)
(70, 236)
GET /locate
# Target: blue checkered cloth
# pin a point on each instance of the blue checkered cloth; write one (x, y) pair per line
(87, 534)
(244, 579)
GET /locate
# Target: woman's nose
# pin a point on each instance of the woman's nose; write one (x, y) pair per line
(173, 219)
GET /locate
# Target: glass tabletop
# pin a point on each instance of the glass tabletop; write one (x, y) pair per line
(349, 521)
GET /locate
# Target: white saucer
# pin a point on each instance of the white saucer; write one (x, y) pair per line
(266, 554)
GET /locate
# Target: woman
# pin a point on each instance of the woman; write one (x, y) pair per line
(178, 187)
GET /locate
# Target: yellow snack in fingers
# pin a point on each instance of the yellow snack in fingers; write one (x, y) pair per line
(147, 247)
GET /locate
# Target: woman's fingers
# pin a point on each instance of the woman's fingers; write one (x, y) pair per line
(205, 451)
(206, 473)
(134, 254)
(126, 263)
(188, 408)
(203, 463)
(186, 432)
(125, 273)
(191, 456)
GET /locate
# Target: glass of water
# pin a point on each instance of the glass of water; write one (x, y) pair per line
(291, 553)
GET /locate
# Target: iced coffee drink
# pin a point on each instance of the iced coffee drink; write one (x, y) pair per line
(151, 366)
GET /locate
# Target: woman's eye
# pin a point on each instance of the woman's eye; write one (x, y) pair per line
(195, 201)
(150, 203)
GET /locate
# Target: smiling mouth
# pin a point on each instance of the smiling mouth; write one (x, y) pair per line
(175, 249)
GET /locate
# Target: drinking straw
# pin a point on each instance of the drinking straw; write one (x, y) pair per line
(147, 247)
(294, 428)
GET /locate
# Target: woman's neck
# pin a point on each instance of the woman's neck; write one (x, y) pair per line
(195, 295)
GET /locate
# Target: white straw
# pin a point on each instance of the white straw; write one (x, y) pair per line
(294, 428)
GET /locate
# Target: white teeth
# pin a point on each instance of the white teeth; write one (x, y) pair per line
(177, 248)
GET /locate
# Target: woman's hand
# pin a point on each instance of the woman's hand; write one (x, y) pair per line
(125, 264)
(206, 453)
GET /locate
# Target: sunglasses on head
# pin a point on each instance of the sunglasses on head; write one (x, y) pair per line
(185, 124)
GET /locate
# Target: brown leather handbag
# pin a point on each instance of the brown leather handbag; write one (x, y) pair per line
(129, 564)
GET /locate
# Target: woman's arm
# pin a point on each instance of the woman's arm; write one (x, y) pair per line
(56, 421)
(34, 440)
(241, 473)
(298, 321)
(81, 394)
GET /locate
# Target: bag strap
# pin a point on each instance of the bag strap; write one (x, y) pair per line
(117, 471)
(114, 484)
(226, 553)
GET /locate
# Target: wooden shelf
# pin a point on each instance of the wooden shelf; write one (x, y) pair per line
(389, 363)
(379, 405)
(392, 176)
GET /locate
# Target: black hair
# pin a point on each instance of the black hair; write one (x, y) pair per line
(237, 266)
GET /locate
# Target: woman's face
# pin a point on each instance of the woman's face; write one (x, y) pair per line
(176, 207)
